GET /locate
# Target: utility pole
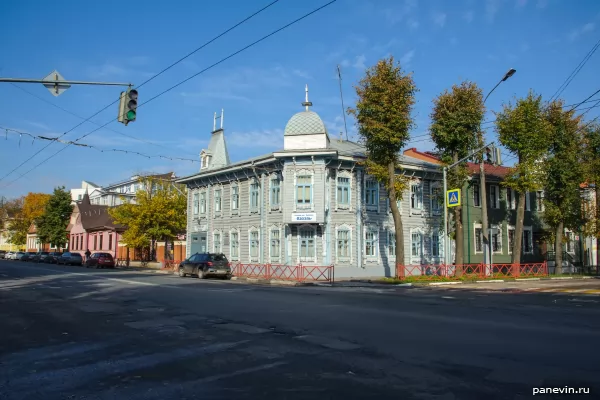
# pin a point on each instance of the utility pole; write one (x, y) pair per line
(487, 250)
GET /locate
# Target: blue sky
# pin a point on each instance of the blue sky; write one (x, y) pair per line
(442, 42)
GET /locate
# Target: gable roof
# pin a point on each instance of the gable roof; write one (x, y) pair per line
(95, 216)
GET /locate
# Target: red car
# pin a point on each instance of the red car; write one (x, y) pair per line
(100, 260)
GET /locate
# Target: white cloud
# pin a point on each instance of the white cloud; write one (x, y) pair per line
(39, 125)
(407, 58)
(380, 48)
(301, 74)
(194, 98)
(395, 15)
(412, 24)
(468, 16)
(270, 139)
(359, 63)
(491, 9)
(345, 63)
(115, 70)
(589, 27)
(336, 127)
(439, 19)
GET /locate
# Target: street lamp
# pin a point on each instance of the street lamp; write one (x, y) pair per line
(482, 191)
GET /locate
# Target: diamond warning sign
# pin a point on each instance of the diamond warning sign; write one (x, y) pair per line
(453, 198)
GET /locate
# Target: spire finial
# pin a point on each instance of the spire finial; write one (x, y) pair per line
(306, 102)
(215, 122)
(222, 112)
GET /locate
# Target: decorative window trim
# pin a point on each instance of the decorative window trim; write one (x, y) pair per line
(233, 257)
(196, 203)
(348, 175)
(338, 258)
(530, 229)
(304, 207)
(275, 177)
(491, 238)
(366, 190)
(252, 230)
(307, 227)
(421, 256)
(539, 204)
(508, 243)
(512, 204)
(371, 228)
(204, 197)
(220, 233)
(435, 200)
(233, 187)
(277, 258)
(218, 189)
(251, 208)
(389, 232)
(496, 198)
(440, 237)
(475, 227)
(416, 210)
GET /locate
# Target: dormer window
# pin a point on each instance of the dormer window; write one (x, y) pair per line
(205, 159)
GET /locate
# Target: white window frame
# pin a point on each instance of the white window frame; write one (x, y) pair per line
(235, 198)
(375, 230)
(527, 201)
(495, 197)
(539, 204)
(436, 202)
(416, 206)
(338, 188)
(421, 248)
(218, 197)
(338, 258)
(391, 243)
(511, 203)
(236, 247)
(217, 235)
(475, 228)
(530, 230)
(300, 174)
(313, 230)
(254, 208)
(439, 235)
(570, 242)
(275, 191)
(508, 242)
(203, 202)
(275, 257)
(254, 233)
(478, 193)
(374, 206)
(498, 231)
(196, 203)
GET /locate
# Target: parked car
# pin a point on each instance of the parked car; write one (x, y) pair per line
(70, 259)
(28, 256)
(100, 260)
(2, 253)
(52, 257)
(39, 256)
(205, 265)
(10, 255)
(19, 255)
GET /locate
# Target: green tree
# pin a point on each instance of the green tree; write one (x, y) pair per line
(524, 129)
(25, 211)
(591, 161)
(386, 96)
(158, 214)
(456, 117)
(52, 224)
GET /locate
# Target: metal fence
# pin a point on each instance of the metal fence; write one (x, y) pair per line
(467, 271)
(298, 273)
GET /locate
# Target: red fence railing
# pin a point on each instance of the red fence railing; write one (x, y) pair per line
(298, 273)
(465, 271)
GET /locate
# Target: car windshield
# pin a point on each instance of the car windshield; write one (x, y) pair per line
(218, 257)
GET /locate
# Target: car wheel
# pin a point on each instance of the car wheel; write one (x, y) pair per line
(181, 273)
(228, 277)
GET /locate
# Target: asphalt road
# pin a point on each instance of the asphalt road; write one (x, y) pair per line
(76, 333)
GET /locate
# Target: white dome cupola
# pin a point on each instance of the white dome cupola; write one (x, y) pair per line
(305, 130)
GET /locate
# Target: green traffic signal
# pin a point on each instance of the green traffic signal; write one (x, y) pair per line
(132, 105)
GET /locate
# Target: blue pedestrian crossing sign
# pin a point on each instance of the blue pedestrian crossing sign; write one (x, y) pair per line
(453, 197)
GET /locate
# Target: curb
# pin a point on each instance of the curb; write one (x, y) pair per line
(528, 279)
(444, 283)
(492, 281)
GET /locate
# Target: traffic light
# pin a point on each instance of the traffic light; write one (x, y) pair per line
(128, 106)
(488, 154)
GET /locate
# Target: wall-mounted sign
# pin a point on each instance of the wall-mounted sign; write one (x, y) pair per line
(304, 217)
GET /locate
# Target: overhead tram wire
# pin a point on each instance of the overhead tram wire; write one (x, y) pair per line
(185, 80)
(93, 122)
(146, 81)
